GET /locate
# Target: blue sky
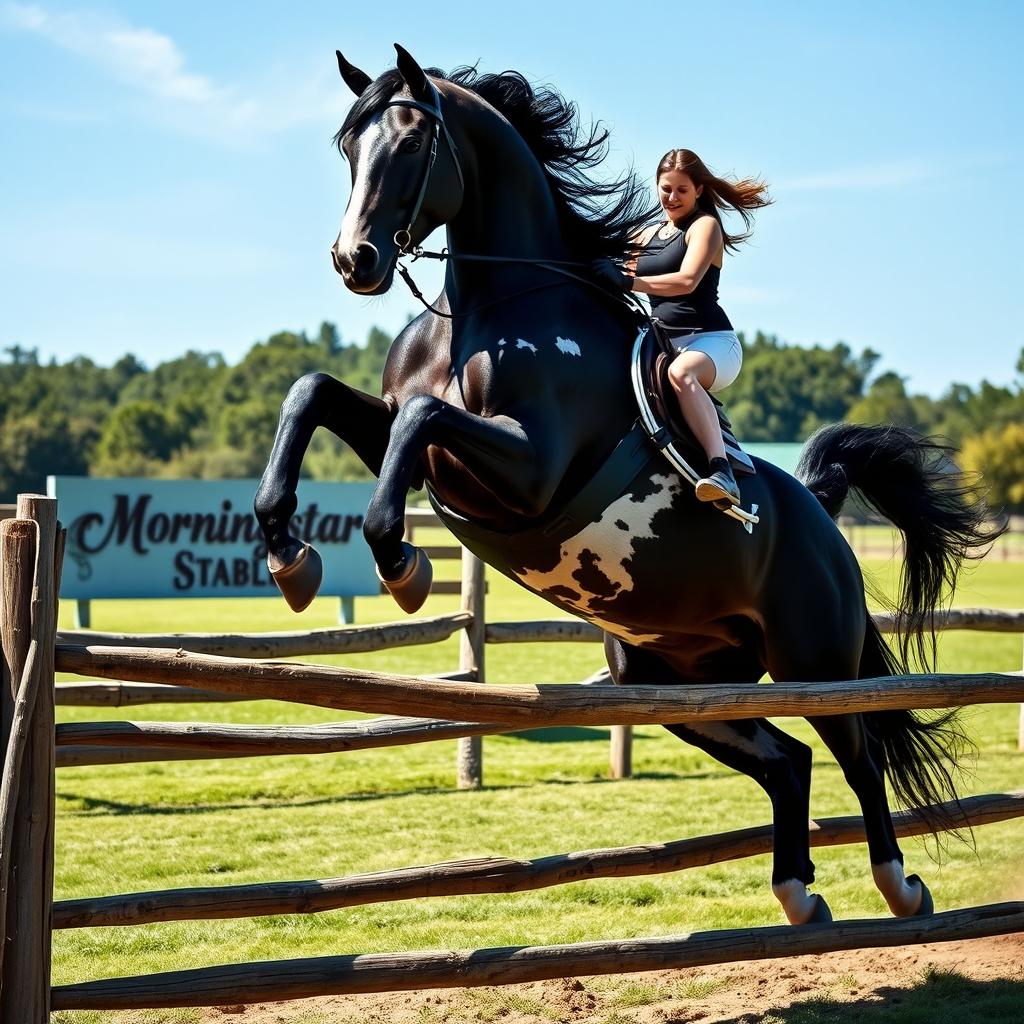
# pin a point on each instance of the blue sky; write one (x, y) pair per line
(167, 180)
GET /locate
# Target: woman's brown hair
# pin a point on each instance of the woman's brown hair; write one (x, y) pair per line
(718, 193)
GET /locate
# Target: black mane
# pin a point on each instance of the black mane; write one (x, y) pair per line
(597, 217)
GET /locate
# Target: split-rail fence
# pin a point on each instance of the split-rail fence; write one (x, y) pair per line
(142, 669)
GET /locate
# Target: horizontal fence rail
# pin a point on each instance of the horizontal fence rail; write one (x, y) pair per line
(94, 693)
(512, 965)
(300, 643)
(536, 706)
(488, 874)
(216, 738)
(990, 620)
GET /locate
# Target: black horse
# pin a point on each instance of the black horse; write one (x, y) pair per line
(511, 399)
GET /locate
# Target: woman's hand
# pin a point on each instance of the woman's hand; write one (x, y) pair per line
(609, 276)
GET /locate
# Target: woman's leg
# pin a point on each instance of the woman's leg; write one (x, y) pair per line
(691, 375)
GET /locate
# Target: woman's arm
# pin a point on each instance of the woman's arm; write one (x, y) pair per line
(704, 242)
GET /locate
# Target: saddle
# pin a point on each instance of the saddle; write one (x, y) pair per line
(655, 355)
(664, 422)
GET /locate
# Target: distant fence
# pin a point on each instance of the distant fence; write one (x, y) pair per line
(863, 535)
(30, 550)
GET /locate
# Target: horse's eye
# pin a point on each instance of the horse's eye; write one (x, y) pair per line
(411, 144)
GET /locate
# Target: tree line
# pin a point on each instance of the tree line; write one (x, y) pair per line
(198, 416)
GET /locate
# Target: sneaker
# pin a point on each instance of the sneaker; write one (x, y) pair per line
(720, 487)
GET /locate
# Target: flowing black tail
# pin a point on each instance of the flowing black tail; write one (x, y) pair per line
(911, 481)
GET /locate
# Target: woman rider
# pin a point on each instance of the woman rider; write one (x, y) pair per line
(678, 263)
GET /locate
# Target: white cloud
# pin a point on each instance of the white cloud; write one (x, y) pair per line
(882, 175)
(153, 66)
(140, 56)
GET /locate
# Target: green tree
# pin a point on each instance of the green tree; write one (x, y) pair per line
(997, 455)
(785, 392)
(887, 401)
(134, 437)
(34, 447)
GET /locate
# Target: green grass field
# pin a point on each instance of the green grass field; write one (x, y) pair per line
(153, 826)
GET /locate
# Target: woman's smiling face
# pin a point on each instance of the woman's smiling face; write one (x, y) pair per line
(677, 194)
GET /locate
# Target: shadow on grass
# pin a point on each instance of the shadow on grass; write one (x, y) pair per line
(943, 997)
(562, 734)
(98, 807)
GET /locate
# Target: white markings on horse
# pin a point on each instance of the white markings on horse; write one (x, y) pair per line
(568, 346)
(606, 549)
(904, 898)
(762, 745)
(796, 901)
(349, 236)
(520, 343)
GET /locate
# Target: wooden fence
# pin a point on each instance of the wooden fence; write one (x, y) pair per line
(30, 550)
(123, 743)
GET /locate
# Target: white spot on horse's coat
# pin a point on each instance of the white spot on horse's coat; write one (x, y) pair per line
(568, 346)
(796, 901)
(608, 549)
(762, 745)
(501, 342)
(526, 344)
(904, 898)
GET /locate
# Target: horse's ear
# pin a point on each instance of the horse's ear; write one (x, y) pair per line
(412, 73)
(355, 79)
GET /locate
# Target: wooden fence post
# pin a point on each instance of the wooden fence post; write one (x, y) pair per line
(25, 982)
(621, 753)
(1020, 729)
(470, 756)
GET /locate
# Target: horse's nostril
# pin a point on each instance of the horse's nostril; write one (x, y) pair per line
(366, 258)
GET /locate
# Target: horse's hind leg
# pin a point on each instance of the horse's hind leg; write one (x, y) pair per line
(779, 764)
(315, 400)
(862, 762)
(859, 756)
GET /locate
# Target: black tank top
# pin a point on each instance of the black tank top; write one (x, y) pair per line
(700, 309)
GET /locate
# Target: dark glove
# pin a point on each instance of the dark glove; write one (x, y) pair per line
(609, 276)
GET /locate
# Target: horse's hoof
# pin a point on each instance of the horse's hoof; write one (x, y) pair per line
(822, 914)
(299, 581)
(412, 588)
(927, 907)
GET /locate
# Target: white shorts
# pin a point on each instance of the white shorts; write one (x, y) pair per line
(721, 347)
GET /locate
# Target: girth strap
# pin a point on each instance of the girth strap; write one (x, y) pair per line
(609, 482)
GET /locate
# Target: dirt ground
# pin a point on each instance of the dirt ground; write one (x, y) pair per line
(903, 983)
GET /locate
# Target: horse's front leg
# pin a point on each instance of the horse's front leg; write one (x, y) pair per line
(498, 452)
(361, 421)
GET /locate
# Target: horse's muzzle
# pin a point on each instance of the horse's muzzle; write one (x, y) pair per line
(360, 267)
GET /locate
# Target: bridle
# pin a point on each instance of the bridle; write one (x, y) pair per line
(403, 236)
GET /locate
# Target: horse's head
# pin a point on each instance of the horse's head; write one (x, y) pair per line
(406, 179)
